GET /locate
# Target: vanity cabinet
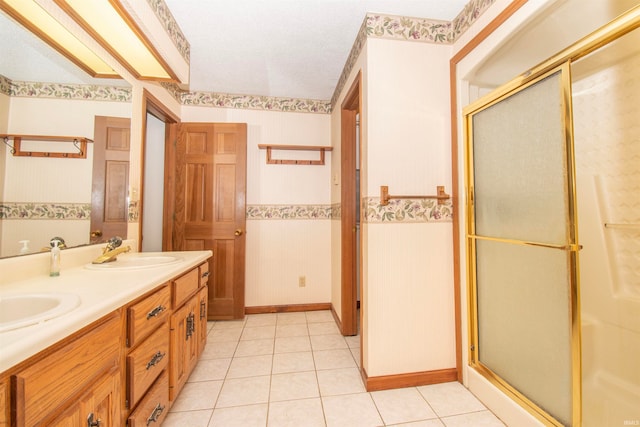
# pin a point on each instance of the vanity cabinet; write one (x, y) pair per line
(126, 368)
(188, 329)
(75, 382)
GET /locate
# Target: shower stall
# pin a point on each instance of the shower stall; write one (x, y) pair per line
(553, 232)
(606, 122)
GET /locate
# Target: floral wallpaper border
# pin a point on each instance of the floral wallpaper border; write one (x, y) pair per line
(406, 210)
(172, 28)
(5, 85)
(57, 211)
(247, 102)
(398, 210)
(37, 210)
(133, 212)
(65, 91)
(266, 212)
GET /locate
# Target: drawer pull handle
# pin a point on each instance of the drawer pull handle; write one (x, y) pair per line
(156, 311)
(205, 274)
(155, 360)
(155, 414)
(91, 422)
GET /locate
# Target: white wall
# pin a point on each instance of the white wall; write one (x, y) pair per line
(278, 251)
(408, 288)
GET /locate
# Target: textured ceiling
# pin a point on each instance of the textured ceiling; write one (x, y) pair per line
(282, 48)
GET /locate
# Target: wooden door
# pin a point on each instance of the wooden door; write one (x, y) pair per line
(109, 207)
(210, 207)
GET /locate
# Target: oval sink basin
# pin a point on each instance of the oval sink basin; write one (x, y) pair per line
(18, 311)
(136, 260)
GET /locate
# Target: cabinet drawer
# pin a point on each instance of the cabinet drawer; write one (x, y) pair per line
(49, 383)
(145, 363)
(146, 315)
(154, 407)
(184, 286)
(204, 273)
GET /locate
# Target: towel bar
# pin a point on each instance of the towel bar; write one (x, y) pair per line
(385, 196)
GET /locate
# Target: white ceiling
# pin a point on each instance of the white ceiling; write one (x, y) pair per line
(283, 48)
(287, 48)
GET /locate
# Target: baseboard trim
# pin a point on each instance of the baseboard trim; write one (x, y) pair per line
(412, 379)
(290, 308)
(336, 318)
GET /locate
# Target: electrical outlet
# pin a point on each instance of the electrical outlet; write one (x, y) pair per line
(302, 281)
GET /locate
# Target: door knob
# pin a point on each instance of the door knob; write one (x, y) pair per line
(238, 232)
(96, 233)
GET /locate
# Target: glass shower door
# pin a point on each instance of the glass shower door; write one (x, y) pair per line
(522, 247)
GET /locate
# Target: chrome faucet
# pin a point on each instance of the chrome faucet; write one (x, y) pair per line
(111, 251)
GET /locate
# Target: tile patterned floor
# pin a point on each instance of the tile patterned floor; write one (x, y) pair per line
(295, 369)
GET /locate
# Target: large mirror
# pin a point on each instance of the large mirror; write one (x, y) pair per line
(44, 93)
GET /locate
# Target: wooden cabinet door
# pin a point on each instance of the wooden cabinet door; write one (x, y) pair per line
(71, 417)
(210, 200)
(99, 405)
(184, 346)
(202, 316)
(102, 404)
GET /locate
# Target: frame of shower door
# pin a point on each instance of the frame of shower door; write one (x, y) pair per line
(617, 28)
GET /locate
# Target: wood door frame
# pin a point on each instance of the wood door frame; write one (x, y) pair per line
(350, 108)
(153, 106)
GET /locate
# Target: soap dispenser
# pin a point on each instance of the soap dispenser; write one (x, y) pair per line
(54, 267)
(25, 247)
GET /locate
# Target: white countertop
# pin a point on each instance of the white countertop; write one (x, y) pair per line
(100, 292)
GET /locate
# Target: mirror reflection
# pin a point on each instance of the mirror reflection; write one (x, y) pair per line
(43, 93)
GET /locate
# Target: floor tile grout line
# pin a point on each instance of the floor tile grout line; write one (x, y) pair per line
(235, 356)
